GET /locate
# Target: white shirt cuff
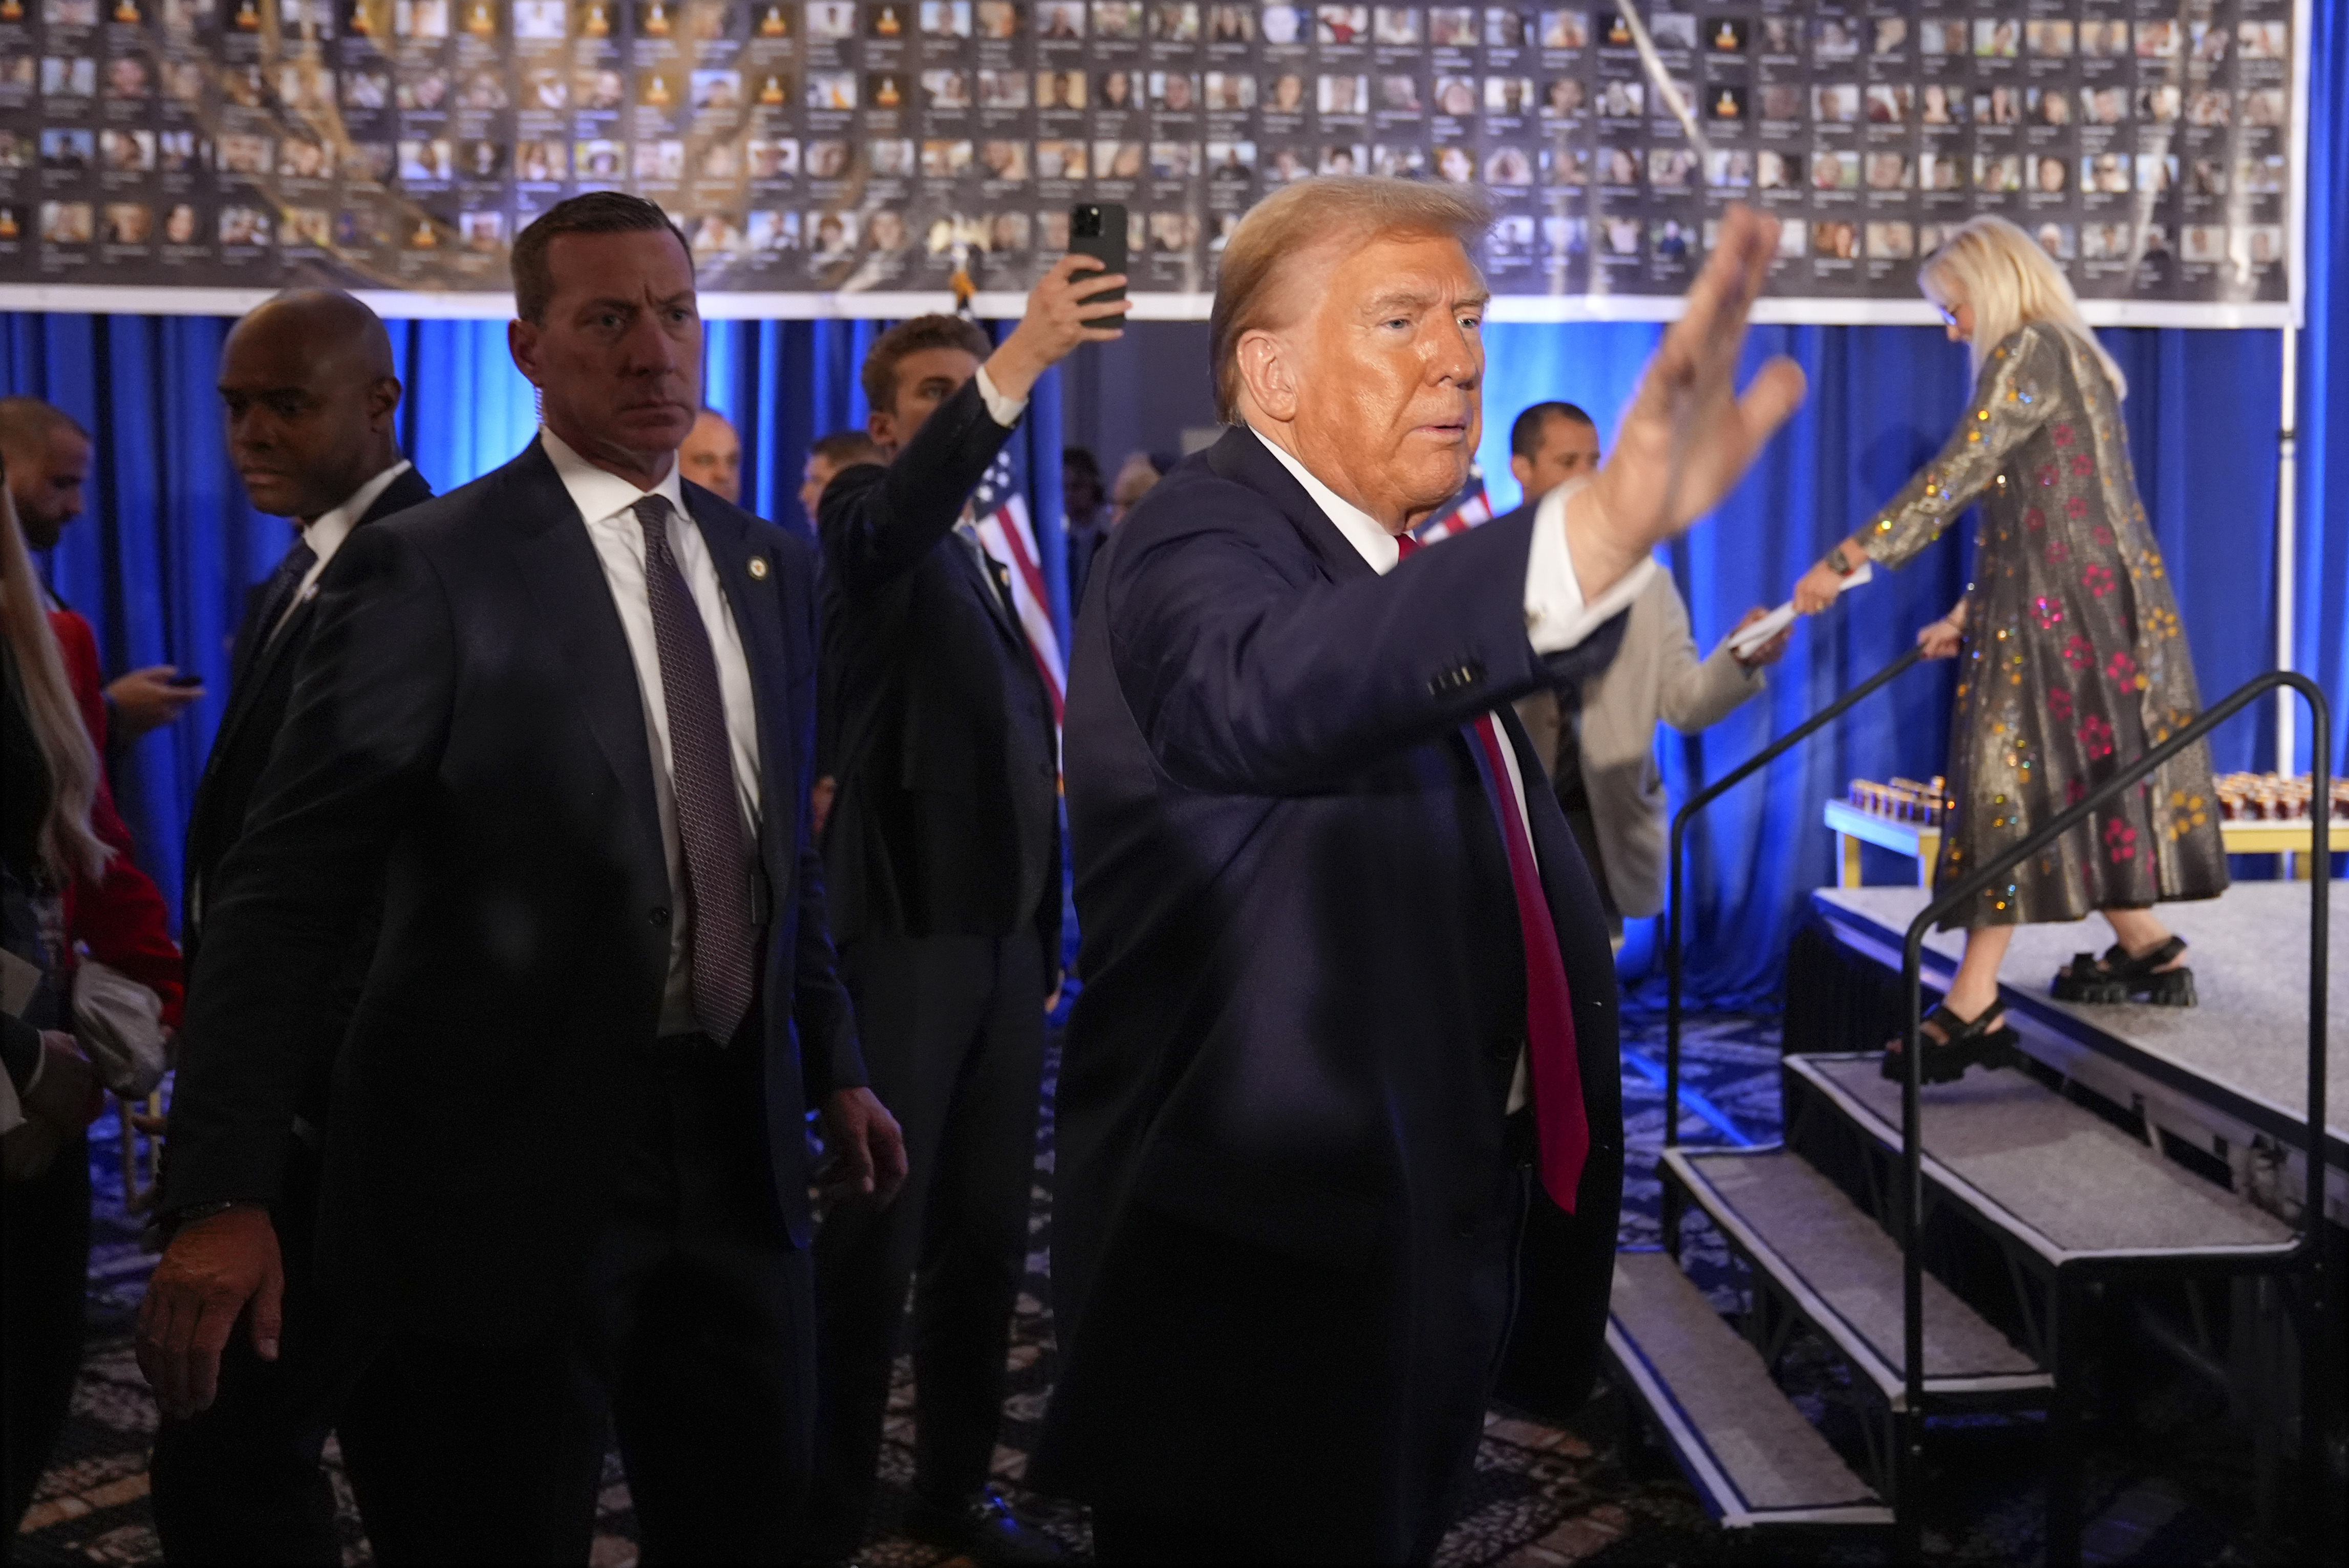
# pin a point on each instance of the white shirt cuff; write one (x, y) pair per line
(1004, 411)
(1556, 617)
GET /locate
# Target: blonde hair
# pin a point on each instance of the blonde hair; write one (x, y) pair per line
(1335, 212)
(2009, 281)
(67, 846)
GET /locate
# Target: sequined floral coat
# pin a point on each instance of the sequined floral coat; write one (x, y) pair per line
(2074, 661)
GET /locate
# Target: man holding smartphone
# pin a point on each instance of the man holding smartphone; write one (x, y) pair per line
(48, 460)
(942, 856)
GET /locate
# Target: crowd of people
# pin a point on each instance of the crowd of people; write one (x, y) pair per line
(618, 934)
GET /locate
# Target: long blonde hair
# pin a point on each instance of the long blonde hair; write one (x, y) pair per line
(2001, 271)
(67, 846)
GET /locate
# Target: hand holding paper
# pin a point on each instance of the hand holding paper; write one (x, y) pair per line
(1745, 639)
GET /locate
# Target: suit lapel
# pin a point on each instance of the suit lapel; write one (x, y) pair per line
(549, 541)
(1545, 824)
(268, 647)
(753, 602)
(255, 649)
(979, 570)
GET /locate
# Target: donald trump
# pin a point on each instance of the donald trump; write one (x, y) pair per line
(1340, 1140)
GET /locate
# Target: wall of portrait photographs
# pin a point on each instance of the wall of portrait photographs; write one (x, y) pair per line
(825, 155)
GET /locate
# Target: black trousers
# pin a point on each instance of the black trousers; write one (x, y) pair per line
(693, 1336)
(953, 1029)
(41, 1297)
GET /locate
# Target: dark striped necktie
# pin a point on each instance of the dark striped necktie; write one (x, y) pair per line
(278, 594)
(710, 825)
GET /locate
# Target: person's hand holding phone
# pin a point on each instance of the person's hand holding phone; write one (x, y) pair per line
(1063, 314)
(151, 698)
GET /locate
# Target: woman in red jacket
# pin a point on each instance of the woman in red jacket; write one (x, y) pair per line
(118, 916)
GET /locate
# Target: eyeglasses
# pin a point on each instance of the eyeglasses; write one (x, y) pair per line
(1948, 314)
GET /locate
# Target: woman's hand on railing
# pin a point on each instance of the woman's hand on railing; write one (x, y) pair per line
(1942, 638)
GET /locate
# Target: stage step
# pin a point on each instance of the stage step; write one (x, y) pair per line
(1753, 1457)
(1835, 1266)
(2060, 1180)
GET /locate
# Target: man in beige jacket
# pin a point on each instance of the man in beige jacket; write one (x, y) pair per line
(1598, 739)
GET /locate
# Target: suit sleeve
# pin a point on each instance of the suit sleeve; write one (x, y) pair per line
(830, 1060)
(2013, 399)
(1697, 693)
(363, 734)
(1248, 679)
(879, 523)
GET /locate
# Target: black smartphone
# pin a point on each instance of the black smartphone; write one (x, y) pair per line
(1097, 229)
(184, 680)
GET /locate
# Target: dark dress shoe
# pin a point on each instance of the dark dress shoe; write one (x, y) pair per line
(981, 1526)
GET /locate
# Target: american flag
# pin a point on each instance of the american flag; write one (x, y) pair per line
(999, 512)
(1461, 514)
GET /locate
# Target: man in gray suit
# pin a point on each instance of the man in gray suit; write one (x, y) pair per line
(1598, 737)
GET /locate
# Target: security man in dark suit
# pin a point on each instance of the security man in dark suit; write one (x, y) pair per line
(307, 385)
(558, 728)
(943, 854)
(1339, 1106)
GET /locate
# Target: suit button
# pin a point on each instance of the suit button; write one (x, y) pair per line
(660, 914)
(1507, 1047)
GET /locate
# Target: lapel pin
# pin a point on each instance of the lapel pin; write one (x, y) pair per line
(758, 567)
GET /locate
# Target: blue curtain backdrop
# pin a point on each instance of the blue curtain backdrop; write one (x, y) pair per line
(160, 564)
(160, 561)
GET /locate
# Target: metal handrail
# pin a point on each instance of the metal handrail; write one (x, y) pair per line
(1697, 803)
(2308, 1253)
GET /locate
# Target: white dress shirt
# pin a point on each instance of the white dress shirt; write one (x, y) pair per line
(607, 504)
(1555, 616)
(1004, 411)
(325, 533)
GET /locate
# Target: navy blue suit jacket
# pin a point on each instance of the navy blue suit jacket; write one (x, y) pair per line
(467, 735)
(259, 690)
(1304, 999)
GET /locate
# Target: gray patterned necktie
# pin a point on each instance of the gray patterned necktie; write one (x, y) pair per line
(709, 811)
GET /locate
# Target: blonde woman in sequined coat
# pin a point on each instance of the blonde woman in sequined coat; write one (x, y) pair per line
(2074, 661)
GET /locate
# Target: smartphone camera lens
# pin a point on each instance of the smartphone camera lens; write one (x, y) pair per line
(1087, 223)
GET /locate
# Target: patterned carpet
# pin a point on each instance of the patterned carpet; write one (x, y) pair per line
(2170, 1484)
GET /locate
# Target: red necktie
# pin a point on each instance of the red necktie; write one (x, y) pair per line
(1561, 1126)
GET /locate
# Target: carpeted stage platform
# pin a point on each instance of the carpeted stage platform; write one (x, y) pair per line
(2226, 1080)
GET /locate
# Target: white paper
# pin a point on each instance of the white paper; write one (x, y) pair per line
(1747, 640)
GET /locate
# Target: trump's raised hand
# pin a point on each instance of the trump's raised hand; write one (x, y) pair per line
(1689, 435)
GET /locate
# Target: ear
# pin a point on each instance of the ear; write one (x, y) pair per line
(383, 400)
(881, 426)
(521, 342)
(1521, 468)
(1269, 375)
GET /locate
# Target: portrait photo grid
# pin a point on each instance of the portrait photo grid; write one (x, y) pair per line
(825, 147)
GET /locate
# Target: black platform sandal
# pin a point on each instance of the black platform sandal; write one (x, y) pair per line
(2118, 976)
(1963, 1045)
